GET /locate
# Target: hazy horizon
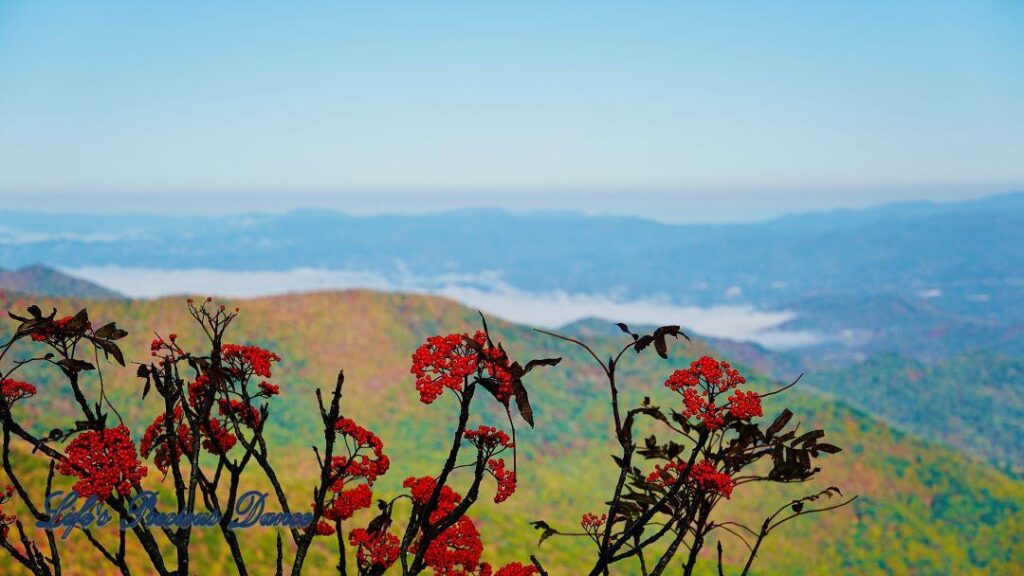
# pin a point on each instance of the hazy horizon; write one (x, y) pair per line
(677, 207)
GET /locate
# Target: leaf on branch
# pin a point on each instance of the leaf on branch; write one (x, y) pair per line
(79, 322)
(110, 349)
(625, 328)
(658, 338)
(779, 423)
(111, 332)
(523, 402)
(809, 437)
(382, 522)
(828, 448)
(540, 362)
(74, 365)
(548, 530)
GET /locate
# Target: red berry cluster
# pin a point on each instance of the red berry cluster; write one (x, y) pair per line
(57, 330)
(14, 390)
(446, 361)
(457, 550)
(250, 359)
(496, 362)
(201, 391)
(168, 349)
(363, 465)
(103, 460)
(591, 522)
(242, 411)
(701, 385)
(704, 476)
(346, 502)
(745, 405)
(506, 479)
(216, 439)
(346, 470)
(6, 519)
(155, 441)
(488, 439)
(513, 569)
(443, 362)
(374, 550)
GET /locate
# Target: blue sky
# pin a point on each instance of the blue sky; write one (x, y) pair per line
(787, 105)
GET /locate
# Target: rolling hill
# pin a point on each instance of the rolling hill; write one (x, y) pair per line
(924, 509)
(45, 281)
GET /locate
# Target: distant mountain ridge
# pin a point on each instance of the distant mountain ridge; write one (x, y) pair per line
(45, 281)
(963, 255)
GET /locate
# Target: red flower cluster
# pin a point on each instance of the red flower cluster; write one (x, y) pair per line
(362, 465)
(6, 519)
(267, 389)
(155, 441)
(506, 479)
(591, 522)
(103, 460)
(496, 362)
(244, 412)
(251, 358)
(14, 390)
(457, 550)
(446, 361)
(201, 391)
(488, 439)
(345, 502)
(421, 488)
(704, 476)
(323, 529)
(58, 326)
(513, 569)
(703, 382)
(216, 439)
(374, 550)
(745, 405)
(443, 362)
(168, 351)
(719, 376)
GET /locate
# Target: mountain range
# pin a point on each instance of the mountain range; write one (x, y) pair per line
(963, 257)
(923, 508)
(915, 312)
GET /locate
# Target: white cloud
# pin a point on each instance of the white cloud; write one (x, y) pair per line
(485, 291)
(13, 236)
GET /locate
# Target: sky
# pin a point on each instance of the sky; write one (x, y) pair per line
(712, 108)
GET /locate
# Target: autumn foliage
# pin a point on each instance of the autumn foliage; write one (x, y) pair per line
(209, 436)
